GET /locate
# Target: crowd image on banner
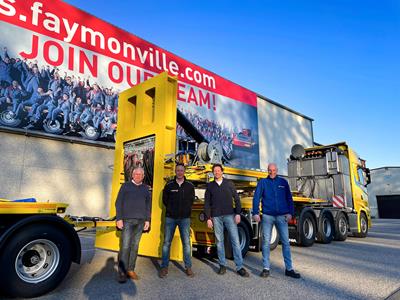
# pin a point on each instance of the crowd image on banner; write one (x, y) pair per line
(41, 97)
(139, 153)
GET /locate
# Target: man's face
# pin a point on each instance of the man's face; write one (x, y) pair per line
(272, 171)
(217, 173)
(180, 172)
(137, 176)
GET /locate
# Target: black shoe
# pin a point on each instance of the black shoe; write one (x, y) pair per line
(242, 272)
(122, 277)
(292, 274)
(264, 273)
(222, 270)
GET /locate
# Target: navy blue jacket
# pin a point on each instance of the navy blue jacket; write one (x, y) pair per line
(276, 198)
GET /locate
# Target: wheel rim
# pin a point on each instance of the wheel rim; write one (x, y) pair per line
(37, 261)
(90, 131)
(364, 225)
(342, 226)
(327, 227)
(308, 229)
(7, 117)
(274, 235)
(242, 237)
(54, 125)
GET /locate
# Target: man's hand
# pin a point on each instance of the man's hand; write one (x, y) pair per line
(288, 217)
(146, 225)
(237, 219)
(256, 218)
(120, 224)
(210, 223)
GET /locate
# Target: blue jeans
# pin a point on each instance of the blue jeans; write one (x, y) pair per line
(184, 230)
(129, 244)
(227, 221)
(282, 227)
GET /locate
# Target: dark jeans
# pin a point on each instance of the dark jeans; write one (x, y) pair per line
(184, 229)
(129, 244)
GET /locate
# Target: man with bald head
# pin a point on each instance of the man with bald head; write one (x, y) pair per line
(133, 208)
(277, 209)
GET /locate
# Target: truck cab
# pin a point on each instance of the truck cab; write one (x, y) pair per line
(329, 183)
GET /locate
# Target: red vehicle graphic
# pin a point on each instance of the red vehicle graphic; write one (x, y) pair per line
(243, 139)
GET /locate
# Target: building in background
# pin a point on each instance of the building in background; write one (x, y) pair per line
(384, 192)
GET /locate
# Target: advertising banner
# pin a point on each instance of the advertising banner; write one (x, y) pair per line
(61, 70)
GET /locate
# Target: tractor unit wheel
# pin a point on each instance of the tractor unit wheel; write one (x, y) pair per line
(34, 261)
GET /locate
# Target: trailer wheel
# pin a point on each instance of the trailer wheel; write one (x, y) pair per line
(53, 127)
(34, 261)
(91, 133)
(7, 118)
(364, 226)
(307, 230)
(326, 229)
(341, 227)
(244, 241)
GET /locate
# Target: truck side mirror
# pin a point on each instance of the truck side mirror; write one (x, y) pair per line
(368, 175)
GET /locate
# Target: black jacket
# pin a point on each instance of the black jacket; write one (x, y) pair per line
(178, 200)
(219, 199)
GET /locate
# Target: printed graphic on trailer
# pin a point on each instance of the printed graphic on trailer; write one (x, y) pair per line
(219, 121)
(52, 86)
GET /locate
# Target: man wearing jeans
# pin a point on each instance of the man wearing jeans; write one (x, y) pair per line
(178, 197)
(278, 209)
(133, 208)
(220, 212)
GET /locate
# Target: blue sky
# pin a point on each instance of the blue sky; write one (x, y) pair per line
(337, 62)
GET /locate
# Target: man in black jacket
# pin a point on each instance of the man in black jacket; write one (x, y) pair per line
(178, 197)
(133, 207)
(219, 209)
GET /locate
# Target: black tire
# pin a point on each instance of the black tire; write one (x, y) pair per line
(37, 250)
(307, 230)
(326, 228)
(91, 133)
(244, 241)
(364, 226)
(7, 118)
(53, 127)
(341, 227)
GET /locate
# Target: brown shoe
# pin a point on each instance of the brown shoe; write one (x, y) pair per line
(132, 275)
(163, 272)
(189, 272)
(121, 277)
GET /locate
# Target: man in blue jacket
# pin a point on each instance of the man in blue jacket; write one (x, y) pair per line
(278, 209)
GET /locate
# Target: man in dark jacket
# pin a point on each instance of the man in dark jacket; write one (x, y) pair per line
(220, 212)
(278, 209)
(133, 207)
(178, 197)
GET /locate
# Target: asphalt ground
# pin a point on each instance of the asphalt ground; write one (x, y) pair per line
(355, 269)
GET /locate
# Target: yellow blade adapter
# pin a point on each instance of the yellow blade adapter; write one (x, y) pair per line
(146, 137)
